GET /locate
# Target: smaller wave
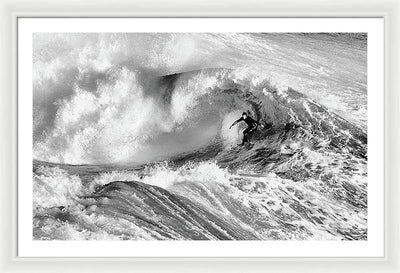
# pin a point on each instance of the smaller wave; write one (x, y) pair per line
(163, 201)
(55, 186)
(134, 210)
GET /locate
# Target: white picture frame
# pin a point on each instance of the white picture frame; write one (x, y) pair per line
(373, 247)
(11, 263)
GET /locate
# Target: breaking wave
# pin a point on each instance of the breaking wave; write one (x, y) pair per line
(128, 122)
(132, 153)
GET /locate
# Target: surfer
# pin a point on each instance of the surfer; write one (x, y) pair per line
(252, 126)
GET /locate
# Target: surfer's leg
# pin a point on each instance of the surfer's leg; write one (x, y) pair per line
(245, 132)
(250, 134)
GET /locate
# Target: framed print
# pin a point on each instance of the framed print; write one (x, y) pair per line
(163, 140)
(200, 137)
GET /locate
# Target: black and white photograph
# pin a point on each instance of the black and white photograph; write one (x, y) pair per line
(200, 136)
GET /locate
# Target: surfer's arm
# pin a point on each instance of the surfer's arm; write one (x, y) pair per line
(237, 121)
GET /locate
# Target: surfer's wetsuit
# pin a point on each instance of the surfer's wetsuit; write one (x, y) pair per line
(248, 132)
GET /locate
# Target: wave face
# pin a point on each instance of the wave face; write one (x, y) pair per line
(154, 157)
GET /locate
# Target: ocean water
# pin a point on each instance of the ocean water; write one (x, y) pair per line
(132, 139)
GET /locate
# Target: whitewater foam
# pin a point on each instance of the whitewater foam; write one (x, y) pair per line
(55, 187)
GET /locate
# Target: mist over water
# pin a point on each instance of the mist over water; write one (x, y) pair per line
(132, 139)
